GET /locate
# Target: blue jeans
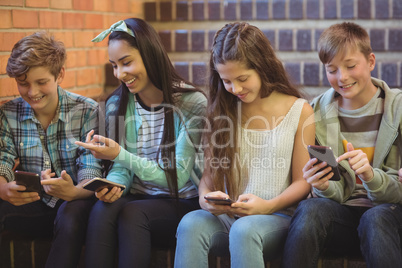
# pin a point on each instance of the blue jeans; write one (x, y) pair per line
(251, 240)
(70, 228)
(133, 224)
(323, 226)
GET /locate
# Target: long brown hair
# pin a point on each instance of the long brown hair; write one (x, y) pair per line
(163, 75)
(246, 44)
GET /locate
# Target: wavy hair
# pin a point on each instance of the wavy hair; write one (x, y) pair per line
(39, 49)
(246, 44)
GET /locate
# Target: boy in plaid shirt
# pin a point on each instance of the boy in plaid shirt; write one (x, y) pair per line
(39, 129)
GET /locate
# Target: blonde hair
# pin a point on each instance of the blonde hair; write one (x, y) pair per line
(339, 37)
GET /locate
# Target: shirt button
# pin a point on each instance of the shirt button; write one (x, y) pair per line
(67, 146)
(41, 137)
(47, 162)
(21, 144)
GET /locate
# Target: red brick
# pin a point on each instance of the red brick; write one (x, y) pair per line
(25, 19)
(93, 21)
(120, 6)
(103, 5)
(6, 21)
(19, 3)
(87, 77)
(3, 63)
(50, 20)
(7, 40)
(83, 39)
(61, 4)
(37, 3)
(69, 79)
(65, 37)
(77, 58)
(8, 87)
(137, 9)
(73, 20)
(92, 92)
(97, 57)
(109, 20)
(83, 5)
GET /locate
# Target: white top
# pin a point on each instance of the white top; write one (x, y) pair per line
(266, 156)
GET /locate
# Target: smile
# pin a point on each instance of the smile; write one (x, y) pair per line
(131, 81)
(347, 86)
(36, 99)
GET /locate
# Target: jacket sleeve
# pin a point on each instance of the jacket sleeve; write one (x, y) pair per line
(188, 127)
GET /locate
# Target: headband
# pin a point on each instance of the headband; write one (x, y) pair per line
(119, 26)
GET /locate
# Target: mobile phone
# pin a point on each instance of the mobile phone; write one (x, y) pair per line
(325, 154)
(30, 180)
(219, 200)
(98, 184)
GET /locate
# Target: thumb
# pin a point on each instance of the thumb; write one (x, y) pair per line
(350, 147)
(65, 176)
(102, 139)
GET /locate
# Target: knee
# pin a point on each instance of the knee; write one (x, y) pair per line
(312, 213)
(192, 222)
(242, 230)
(376, 219)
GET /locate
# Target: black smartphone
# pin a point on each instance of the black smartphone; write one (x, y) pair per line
(97, 184)
(325, 154)
(28, 179)
(219, 200)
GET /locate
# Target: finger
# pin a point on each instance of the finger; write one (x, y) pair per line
(350, 147)
(347, 156)
(89, 136)
(50, 181)
(310, 164)
(65, 176)
(102, 139)
(89, 146)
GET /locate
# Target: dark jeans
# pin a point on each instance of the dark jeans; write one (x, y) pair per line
(132, 224)
(70, 228)
(321, 223)
(34, 219)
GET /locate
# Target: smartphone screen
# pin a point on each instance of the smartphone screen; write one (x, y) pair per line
(325, 154)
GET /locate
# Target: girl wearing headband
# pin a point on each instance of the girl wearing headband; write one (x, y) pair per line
(153, 123)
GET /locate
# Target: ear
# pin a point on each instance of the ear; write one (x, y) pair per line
(61, 76)
(371, 61)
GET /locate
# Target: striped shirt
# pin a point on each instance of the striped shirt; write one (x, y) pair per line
(22, 136)
(360, 127)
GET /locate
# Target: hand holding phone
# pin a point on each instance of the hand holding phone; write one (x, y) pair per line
(219, 200)
(30, 180)
(325, 154)
(97, 184)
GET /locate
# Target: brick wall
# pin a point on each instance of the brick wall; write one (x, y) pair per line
(187, 29)
(75, 22)
(292, 26)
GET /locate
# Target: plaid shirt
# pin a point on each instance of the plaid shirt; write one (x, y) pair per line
(22, 136)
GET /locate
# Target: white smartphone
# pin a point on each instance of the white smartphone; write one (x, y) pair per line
(97, 184)
(325, 154)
